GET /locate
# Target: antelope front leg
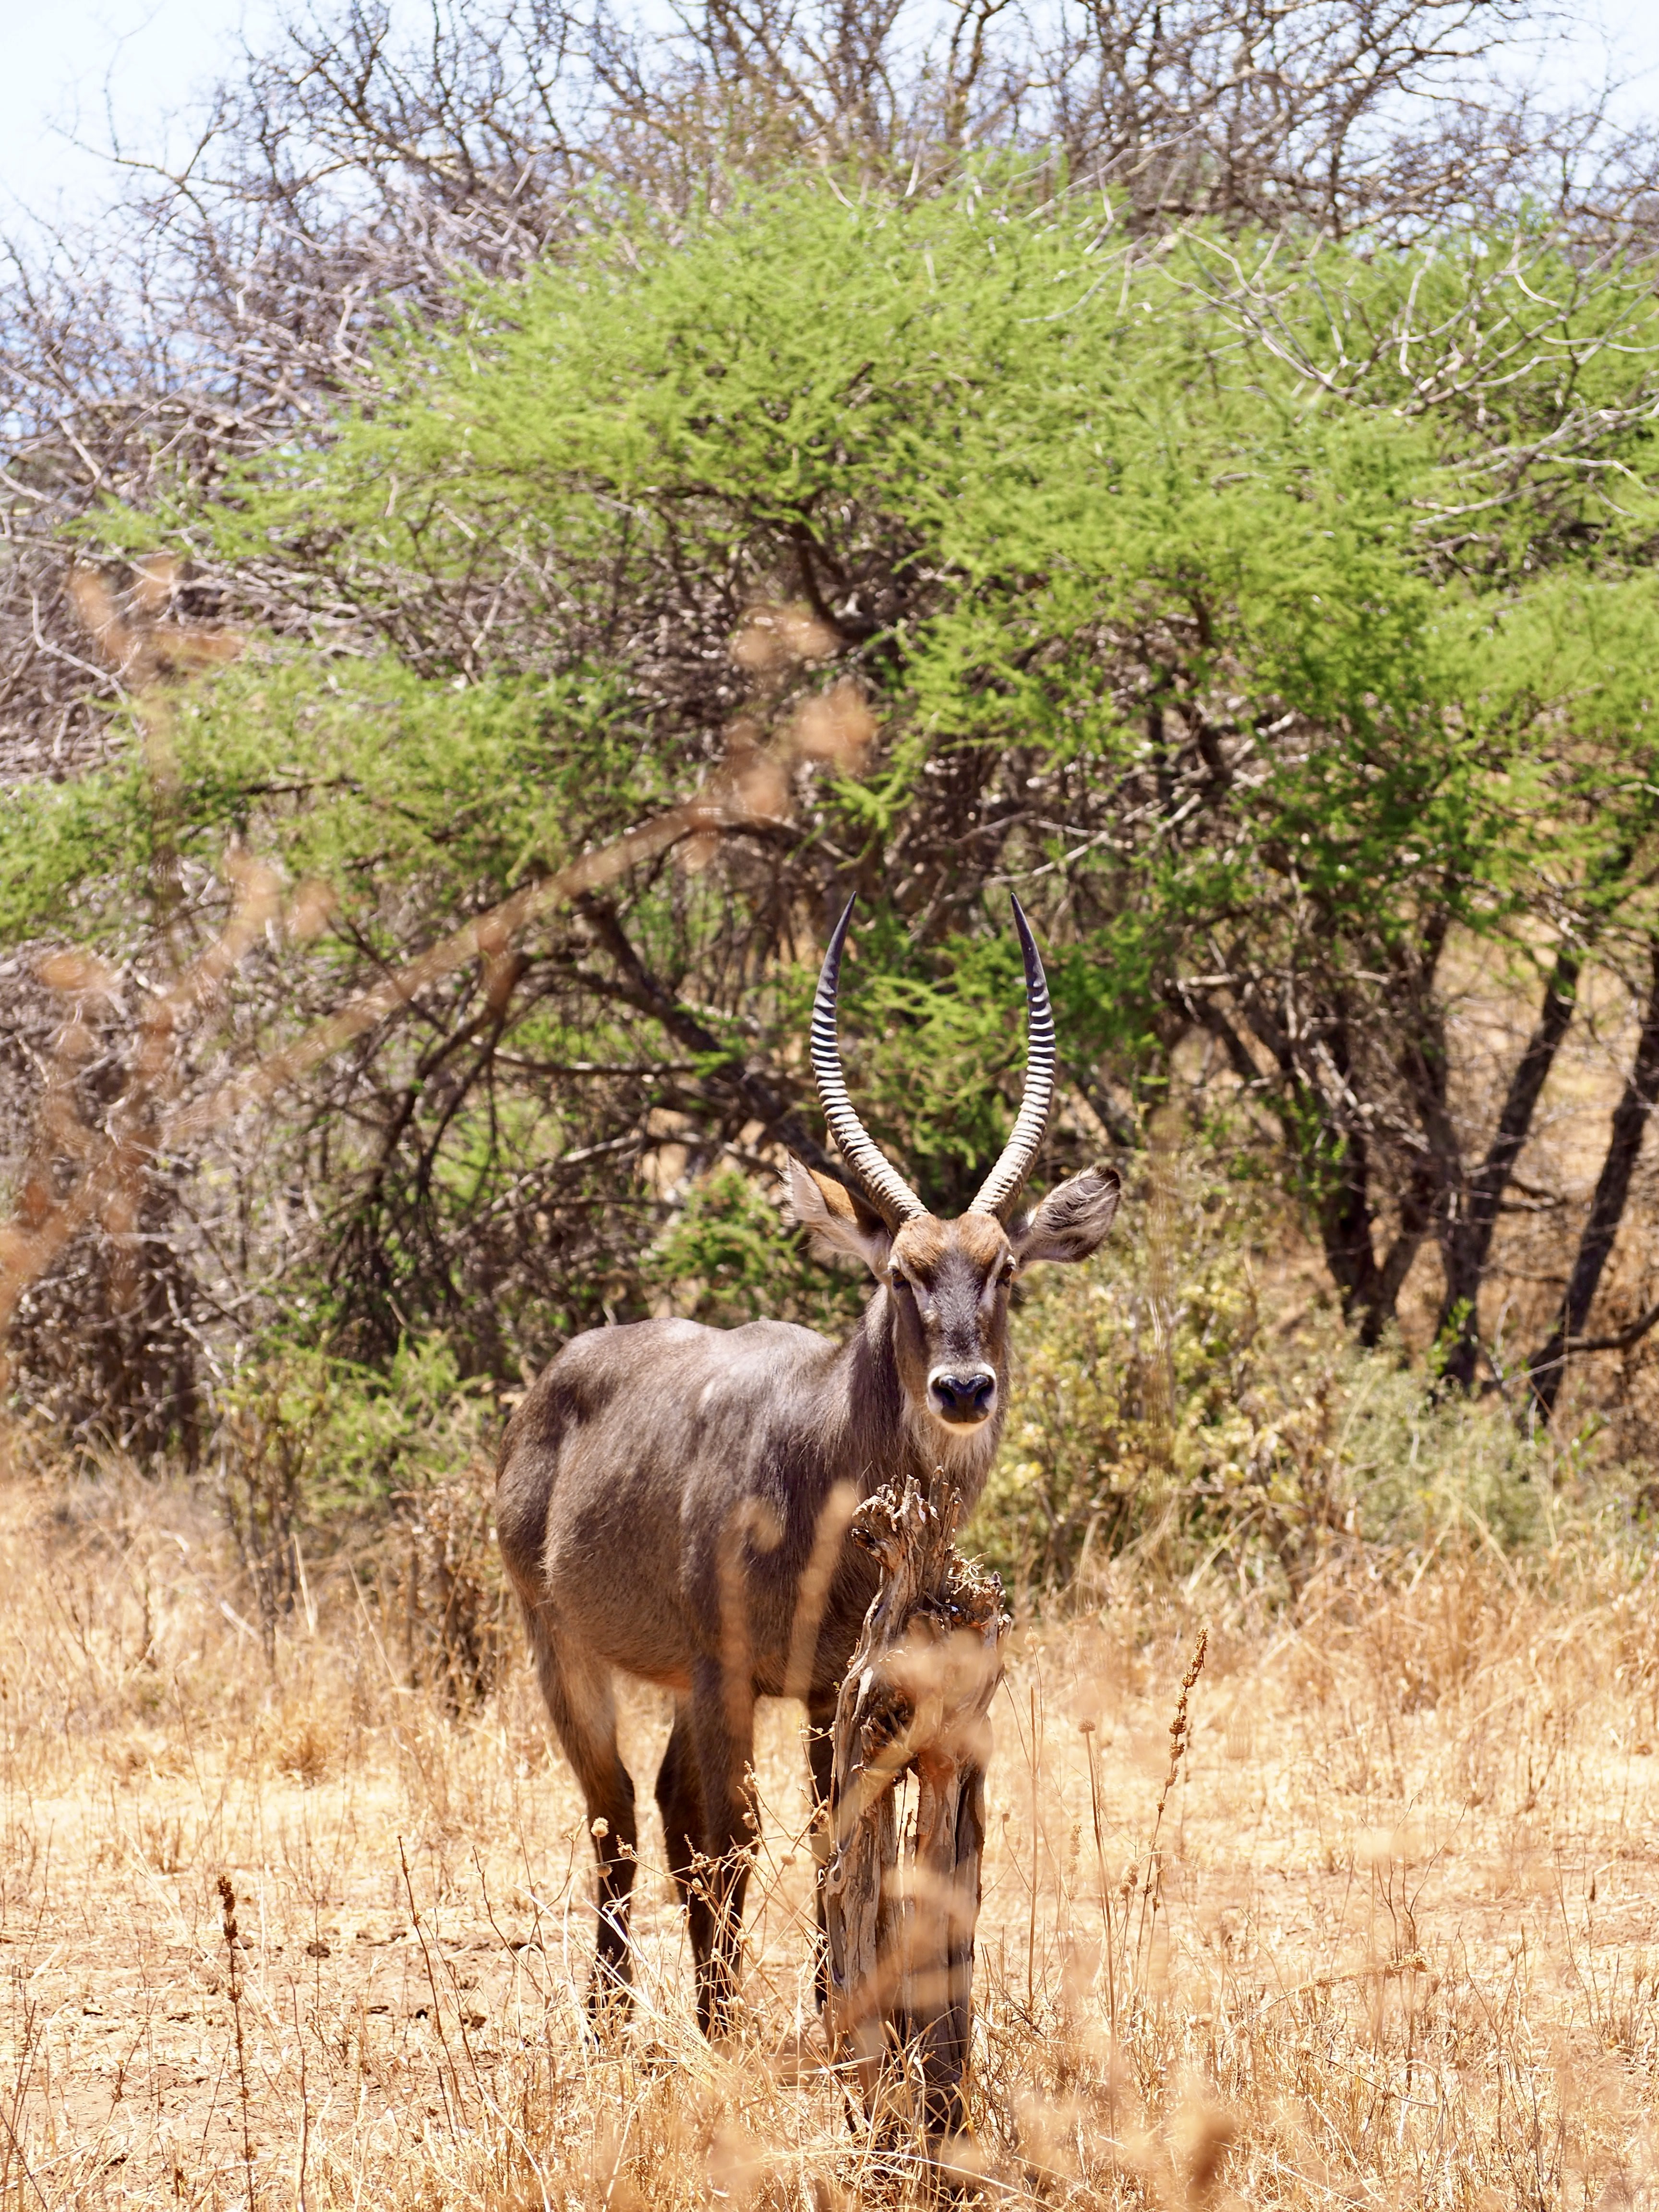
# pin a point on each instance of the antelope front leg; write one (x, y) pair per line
(723, 1734)
(821, 1764)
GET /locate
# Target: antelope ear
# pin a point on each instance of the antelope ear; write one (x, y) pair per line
(836, 1220)
(1072, 1221)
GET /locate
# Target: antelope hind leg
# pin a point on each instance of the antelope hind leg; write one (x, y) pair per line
(723, 1738)
(582, 1707)
(680, 1801)
(821, 1763)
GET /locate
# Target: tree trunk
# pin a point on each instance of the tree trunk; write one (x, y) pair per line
(1331, 1153)
(1465, 1242)
(1547, 1366)
(900, 1921)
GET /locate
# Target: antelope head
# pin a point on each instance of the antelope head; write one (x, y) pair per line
(948, 1281)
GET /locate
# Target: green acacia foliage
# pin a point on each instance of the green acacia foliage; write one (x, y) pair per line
(1253, 615)
(368, 779)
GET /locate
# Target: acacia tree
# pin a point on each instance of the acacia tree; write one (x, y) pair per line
(1191, 659)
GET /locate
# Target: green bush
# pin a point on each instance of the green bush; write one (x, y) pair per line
(395, 1465)
(1162, 1399)
(730, 1256)
(344, 1439)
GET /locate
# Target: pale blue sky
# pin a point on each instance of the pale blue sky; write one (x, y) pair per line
(77, 75)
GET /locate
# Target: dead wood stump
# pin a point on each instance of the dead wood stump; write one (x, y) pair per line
(900, 1911)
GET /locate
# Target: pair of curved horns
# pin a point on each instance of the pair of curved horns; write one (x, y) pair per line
(877, 1178)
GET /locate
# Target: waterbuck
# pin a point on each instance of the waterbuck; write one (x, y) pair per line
(671, 1499)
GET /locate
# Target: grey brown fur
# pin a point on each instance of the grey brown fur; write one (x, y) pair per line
(662, 1488)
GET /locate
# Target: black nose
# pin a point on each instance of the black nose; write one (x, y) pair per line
(964, 1397)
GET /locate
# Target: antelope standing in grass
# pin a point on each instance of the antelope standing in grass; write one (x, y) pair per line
(671, 1499)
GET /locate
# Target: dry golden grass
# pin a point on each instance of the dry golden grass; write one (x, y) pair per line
(1400, 1945)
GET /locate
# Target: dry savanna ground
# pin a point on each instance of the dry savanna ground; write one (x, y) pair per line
(1399, 1946)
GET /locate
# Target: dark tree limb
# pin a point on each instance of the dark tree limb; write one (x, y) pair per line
(638, 988)
(1466, 1238)
(1622, 1339)
(1335, 1151)
(1547, 1366)
(1334, 1159)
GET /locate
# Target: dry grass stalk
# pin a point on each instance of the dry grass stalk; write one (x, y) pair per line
(914, 1701)
(1151, 1888)
(234, 1971)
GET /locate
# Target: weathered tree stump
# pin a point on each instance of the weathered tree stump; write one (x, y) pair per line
(900, 1911)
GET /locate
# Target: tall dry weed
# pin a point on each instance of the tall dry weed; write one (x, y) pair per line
(1389, 1940)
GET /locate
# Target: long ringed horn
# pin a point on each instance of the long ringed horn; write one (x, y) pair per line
(1002, 1186)
(879, 1181)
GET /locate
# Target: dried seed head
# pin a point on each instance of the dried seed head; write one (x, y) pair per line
(762, 789)
(74, 973)
(1206, 2134)
(698, 850)
(775, 638)
(310, 910)
(838, 726)
(155, 578)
